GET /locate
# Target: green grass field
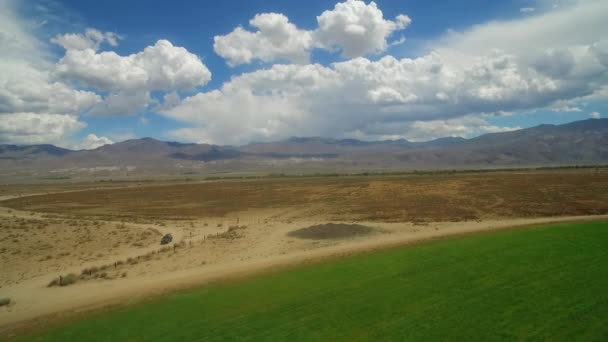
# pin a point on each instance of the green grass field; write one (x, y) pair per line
(547, 283)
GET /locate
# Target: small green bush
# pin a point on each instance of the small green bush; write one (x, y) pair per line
(5, 301)
(69, 279)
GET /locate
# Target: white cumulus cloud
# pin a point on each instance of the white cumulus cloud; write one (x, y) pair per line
(595, 115)
(34, 108)
(27, 89)
(122, 103)
(41, 100)
(90, 39)
(25, 83)
(353, 27)
(275, 38)
(553, 59)
(466, 74)
(93, 141)
(37, 128)
(356, 28)
(158, 67)
(428, 130)
(130, 79)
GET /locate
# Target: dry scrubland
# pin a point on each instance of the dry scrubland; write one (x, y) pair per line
(105, 237)
(33, 246)
(451, 197)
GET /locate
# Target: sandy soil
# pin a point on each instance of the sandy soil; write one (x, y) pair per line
(204, 250)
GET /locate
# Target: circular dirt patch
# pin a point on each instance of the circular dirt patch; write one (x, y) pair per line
(331, 231)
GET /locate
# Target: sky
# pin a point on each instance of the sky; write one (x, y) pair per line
(81, 74)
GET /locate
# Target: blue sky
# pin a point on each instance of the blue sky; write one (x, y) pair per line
(193, 24)
(350, 69)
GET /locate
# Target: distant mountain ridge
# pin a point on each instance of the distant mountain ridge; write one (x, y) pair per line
(579, 142)
(7, 151)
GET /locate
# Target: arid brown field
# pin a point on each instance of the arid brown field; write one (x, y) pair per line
(444, 197)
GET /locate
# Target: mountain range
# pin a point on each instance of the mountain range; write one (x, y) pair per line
(577, 143)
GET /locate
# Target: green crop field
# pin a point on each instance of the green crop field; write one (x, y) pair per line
(545, 283)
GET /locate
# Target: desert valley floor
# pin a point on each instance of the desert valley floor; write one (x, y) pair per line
(108, 233)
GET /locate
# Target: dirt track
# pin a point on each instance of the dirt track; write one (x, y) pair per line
(35, 303)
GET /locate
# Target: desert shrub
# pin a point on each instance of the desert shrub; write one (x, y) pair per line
(69, 279)
(5, 301)
(124, 274)
(90, 271)
(66, 280)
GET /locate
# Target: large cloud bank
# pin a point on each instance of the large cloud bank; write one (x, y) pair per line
(548, 58)
(541, 61)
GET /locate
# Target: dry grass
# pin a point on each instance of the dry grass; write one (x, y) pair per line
(232, 233)
(65, 280)
(415, 198)
(34, 246)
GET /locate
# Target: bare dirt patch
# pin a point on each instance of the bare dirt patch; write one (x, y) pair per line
(331, 231)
